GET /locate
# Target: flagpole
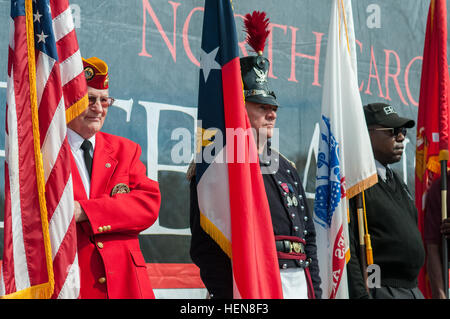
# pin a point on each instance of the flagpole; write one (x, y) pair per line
(362, 244)
(444, 216)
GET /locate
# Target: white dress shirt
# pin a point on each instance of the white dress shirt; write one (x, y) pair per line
(381, 170)
(75, 142)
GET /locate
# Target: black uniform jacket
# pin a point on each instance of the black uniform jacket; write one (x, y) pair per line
(396, 240)
(290, 217)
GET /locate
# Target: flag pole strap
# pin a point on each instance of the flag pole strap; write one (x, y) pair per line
(367, 241)
(362, 245)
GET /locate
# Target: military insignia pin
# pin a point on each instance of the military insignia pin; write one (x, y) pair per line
(89, 73)
(261, 75)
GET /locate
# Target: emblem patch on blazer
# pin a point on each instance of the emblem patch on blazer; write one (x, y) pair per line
(120, 188)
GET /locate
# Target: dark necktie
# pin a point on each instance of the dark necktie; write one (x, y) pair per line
(389, 177)
(86, 147)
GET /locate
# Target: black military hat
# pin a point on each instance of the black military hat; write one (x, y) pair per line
(385, 115)
(254, 69)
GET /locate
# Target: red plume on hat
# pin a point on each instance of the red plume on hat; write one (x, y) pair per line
(257, 28)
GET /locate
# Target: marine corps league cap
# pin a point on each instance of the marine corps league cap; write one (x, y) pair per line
(96, 73)
(385, 115)
(254, 69)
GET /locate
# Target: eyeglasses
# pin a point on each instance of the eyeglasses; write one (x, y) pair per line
(393, 131)
(104, 101)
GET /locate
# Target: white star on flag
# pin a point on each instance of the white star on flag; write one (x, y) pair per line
(37, 17)
(41, 37)
(208, 62)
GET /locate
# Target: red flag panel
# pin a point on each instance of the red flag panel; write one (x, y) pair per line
(433, 118)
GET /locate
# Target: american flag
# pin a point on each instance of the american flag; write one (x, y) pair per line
(46, 87)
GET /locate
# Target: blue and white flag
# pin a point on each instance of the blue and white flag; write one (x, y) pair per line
(345, 163)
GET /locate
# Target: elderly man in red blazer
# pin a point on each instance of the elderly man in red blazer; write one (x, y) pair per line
(114, 199)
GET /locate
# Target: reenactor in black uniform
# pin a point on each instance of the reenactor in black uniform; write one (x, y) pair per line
(292, 221)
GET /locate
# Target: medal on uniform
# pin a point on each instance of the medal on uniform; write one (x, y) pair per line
(285, 187)
(289, 201)
(291, 189)
(294, 201)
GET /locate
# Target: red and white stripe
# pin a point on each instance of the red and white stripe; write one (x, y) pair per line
(59, 85)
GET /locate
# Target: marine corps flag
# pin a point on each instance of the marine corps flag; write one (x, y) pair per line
(433, 117)
(45, 86)
(234, 209)
(345, 164)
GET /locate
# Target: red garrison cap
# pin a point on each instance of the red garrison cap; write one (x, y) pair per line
(96, 73)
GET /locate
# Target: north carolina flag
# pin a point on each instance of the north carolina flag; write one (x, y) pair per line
(345, 164)
(234, 209)
(432, 117)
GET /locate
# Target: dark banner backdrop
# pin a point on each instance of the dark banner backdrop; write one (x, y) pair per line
(152, 48)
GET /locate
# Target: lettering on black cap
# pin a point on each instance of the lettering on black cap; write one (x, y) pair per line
(388, 110)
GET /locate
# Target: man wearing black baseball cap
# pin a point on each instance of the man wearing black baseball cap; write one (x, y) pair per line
(391, 216)
(385, 127)
(385, 115)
